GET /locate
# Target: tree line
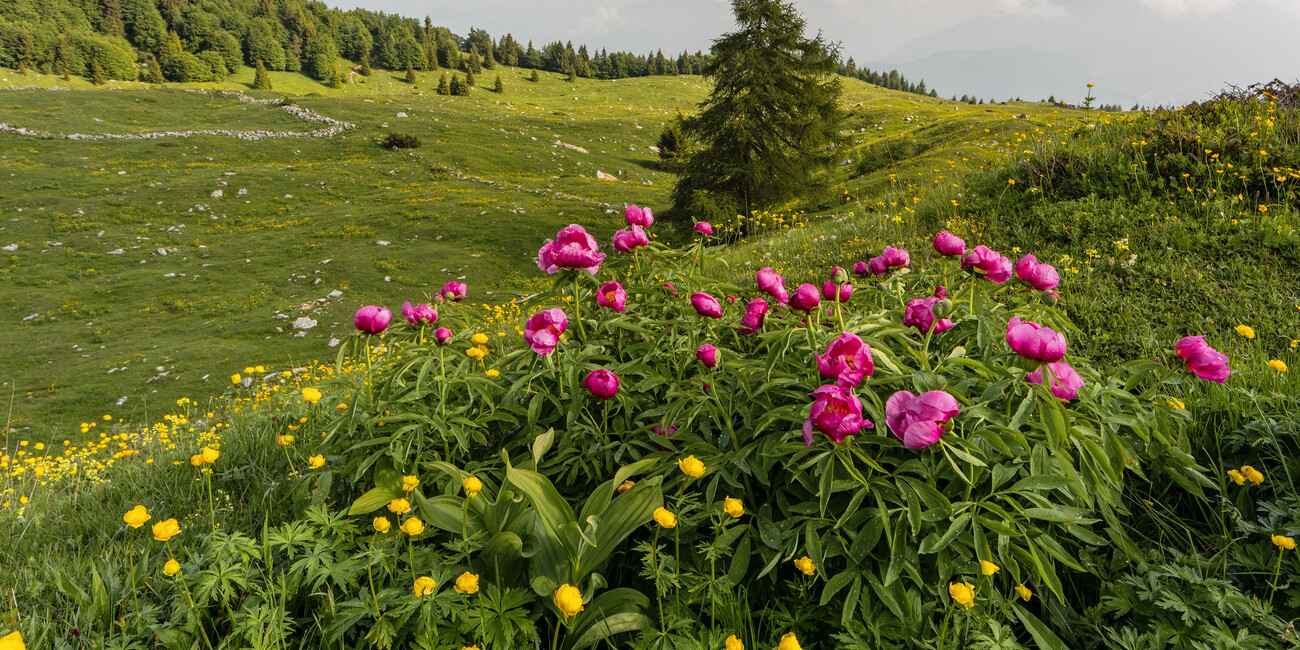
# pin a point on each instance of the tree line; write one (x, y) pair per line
(891, 80)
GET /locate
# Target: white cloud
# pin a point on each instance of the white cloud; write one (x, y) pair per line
(600, 20)
(1030, 7)
(1180, 7)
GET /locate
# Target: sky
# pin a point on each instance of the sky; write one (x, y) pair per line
(1136, 51)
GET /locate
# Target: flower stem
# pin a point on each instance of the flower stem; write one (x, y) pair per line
(1276, 572)
(370, 576)
(577, 306)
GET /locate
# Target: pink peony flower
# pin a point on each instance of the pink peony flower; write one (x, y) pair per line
(418, 315)
(847, 361)
(842, 295)
(836, 412)
(543, 330)
(664, 431)
(602, 383)
(861, 268)
(918, 420)
(892, 258)
(707, 355)
(454, 291)
(1204, 361)
(704, 228)
(1034, 341)
(613, 296)
(1042, 277)
(642, 217)
(948, 244)
(755, 312)
(988, 263)
(706, 305)
(442, 335)
(626, 241)
(671, 288)
(372, 320)
(572, 248)
(771, 283)
(805, 298)
(1065, 381)
(920, 314)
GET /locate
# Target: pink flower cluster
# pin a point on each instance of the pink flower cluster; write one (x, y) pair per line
(572, 248)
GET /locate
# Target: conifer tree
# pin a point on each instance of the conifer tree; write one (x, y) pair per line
(335, 78)
(469, 79)
(410, 74)
(61, 58)
(456, 84)
(97, 75)
(443, 87)
(153, 72)
(498, 86)
(26, 51)
(571, 74)
(366, 70)
(533, 77)
(261, 80)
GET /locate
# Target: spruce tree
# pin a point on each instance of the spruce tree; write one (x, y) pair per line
(61, 58)
(153, 72)
(261, 80)
(366, 70)
(469, 78)
(766, 132)
(533, 76)
(456, 84)
(97, 75)
(443, 87)
(410, 74)
(26, 53)
(572, 75)
(336, 79)
(498, 86)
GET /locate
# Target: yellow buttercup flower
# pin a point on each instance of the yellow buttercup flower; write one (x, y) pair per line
(1295, 343)
(196, 460)
(283, 440)
(1246, 331)
(734, 644)
(166, 529)
(1278, 365)
(789, 642)
(108, 418)
(135, 517)
(1284, 543)
(210, 455)
(424, 586)
(733, 507)
(467, 583)
(962, 593)
(311, 395)
(235, 378)
(12, 641)
(1024, 592)
(627, 485)
(988, 568)
(479, 339)
(568, 600)
(410, 483)
(316, 462)
(399, 506)
(1253, 475)
(248, 370)
(1175, 403)
(691, 466)
(413, 526)
(472, 486)
(665, 518)
(341, 407)
(382, 524)
(171, 568)
(806, 565)
(1236, 477)
(493, 373)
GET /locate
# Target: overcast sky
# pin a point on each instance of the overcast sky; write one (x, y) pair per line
(1153, 51)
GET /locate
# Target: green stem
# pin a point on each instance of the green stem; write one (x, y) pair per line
(1276, 572)
(212, 510)
(134, 597)
(654, 563)
(577, 306)
(370, 389)
(370, 576)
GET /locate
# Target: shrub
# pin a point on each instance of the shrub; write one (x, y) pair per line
(399, 140)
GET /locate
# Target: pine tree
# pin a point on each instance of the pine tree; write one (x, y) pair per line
(153, 72)
(97, 75)
(469, 78)
(499, 87)
(456, 84)
(533, 77)
(443, 87)
(410, 74)
(261, 80)
(366, 70)
(336, 79)
(61, 58)
(766, 132)
(571, 74)
(26, 53)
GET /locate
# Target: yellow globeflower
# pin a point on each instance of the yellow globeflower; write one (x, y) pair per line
(627, 485)
(733, 507)
(467, 583)
(166, 529)
(171, 568)
(1283, 542)
(988, 568)
(1236, 477)
(413, 526)
(1246, 331)
(493, 373)
(311, 395)
(1024, 592)
(1175, 403)
(135, 517)
(12, 641)
(734, 644)
(963, 593)
(789, 642)
(806, 565)
(1253, 475)
(479, 339)
(210, 455)
(399, 506)
(283, 440)
(1278, 365)
(1295, 343)
(691, 466)
(410, 483)
(665, 518)
(341, 407)
(196, 460)
(382, 525)
(235, 378)
(424, 586)
(472, 486)
(568, 600)
(316, 462)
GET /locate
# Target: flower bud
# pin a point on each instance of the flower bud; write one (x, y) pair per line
(839, 275)
(944, 308)
(1050, 297)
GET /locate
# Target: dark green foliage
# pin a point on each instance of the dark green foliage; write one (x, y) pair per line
(366, 71)
(153, 72)
(224, 43)
(400, 50)
(215, 64)
(261, 80)
(261, 44)
(335, 78)
(399, 140)
(144, 25)
(534, 77)
(473, 62)
(97, 75)
(319, 56)
(772, 121)
(410, 75)
(499, 87)
(469, 79)
(444, 88)
(672, 145)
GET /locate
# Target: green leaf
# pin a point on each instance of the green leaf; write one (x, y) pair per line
(612, 612)
(958, 525)
(835, 584)
(1042, 635)
(373, 500)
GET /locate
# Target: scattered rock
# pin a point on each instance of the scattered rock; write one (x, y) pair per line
(216, 194)
(304, 323)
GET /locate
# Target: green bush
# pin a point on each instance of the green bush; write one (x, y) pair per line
(398, 140)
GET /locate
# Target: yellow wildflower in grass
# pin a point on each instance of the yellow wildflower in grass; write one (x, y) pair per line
(1253, 475)
(467, 583)
(479, 339)
(469, 647)
(962, 593)
(1175, 403)
(1246, 331)
(424, 586)
(235, 378)
(805, 564)
(283, 440)
(135, 517)
(413, 526)
(733, 507)
(311, 395)
(196, 460)
(988, 568)
(493, 373)
(108, 418)
(382, 525)
(166, 529)
(789, 642)
(1024, 592)
(1295, 343)
(12, 641)
(410, 483)
(627, 485)
(210, 455)
(316, 462)
(171, 568)
(341, 407)
(734, 644)
(1284, 543)
(691, 466)
(1278, 365)
(1236, 477)
(399, 506)
(665, 518)
(568, 600)
(472, 486)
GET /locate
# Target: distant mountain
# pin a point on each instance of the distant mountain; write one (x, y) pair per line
(1001, 74)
